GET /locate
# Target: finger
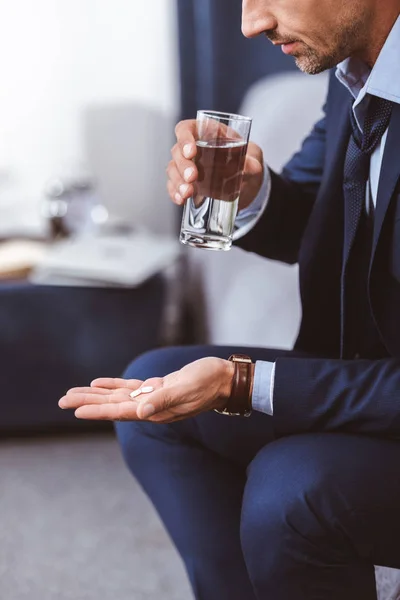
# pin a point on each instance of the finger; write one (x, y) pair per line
(113, 383)
(186, 168)
(177, 186)
(173, 194)
(147, 387)
(252, 167)
(124, 411)
(120, 385)
(186, 135)
(157, 402)
(82, 399)
(255, 151)
(87, 390)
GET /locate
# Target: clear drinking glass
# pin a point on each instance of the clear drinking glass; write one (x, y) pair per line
(209, 215)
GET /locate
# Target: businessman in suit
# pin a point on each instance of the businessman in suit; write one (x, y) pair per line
(299, 500)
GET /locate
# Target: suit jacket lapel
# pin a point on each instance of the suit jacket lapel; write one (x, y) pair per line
(390, 174)
(344, 132)
(325, 226)
(337, 146)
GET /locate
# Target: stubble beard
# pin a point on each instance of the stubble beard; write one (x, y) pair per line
(312, 62)
(347, 43)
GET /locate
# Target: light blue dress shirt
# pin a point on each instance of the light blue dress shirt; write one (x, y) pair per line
(382, 81)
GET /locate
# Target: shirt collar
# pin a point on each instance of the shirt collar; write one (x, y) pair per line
(382, 81)
(353, 74)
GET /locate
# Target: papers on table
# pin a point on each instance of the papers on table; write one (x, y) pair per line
(106, 260)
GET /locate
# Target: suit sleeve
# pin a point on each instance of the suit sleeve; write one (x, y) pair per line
(278, 233)
(355, 396)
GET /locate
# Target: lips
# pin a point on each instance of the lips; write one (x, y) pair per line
(289, 48)
(283, 43)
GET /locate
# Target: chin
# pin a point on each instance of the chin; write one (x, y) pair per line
(312, 65)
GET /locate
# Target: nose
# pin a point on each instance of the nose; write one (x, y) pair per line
(256, 19)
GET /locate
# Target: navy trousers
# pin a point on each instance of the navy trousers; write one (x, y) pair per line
(298, 518)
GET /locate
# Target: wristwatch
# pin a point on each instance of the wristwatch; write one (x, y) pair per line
(239, 402)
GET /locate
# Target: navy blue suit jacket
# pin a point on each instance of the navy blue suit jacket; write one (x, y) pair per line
(306, 221)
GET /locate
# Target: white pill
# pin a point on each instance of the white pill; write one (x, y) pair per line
(144, 390)
(147, 389)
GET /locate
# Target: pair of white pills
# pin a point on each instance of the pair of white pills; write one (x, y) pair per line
(140, 391)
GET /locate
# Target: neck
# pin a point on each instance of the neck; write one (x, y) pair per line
(378, 32)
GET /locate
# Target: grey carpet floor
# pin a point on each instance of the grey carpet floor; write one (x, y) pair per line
(74, 525)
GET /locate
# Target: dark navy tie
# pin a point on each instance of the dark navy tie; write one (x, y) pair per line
(358, 158)
(359, 335)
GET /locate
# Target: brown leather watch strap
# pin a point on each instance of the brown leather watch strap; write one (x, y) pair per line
(239, 402)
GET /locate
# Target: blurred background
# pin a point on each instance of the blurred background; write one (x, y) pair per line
(86, 83)
(92, 275)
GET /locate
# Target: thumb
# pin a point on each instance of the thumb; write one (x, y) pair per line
(253, 167)
(254, 152)
(153, 403)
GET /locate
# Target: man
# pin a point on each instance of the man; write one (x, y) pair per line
(301, 499)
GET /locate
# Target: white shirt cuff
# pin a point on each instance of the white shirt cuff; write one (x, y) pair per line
(263, 387)
(248, 217)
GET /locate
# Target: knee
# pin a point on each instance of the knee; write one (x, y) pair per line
(134, 436)
(288, 502)
(142, 445)
(156, 363)
(140, 440)
(161, 361)
(133, 441)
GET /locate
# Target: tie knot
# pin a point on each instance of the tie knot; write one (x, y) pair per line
(375, 124)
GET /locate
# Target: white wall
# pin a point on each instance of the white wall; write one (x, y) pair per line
(57, 57)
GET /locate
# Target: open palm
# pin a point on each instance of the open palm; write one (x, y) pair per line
(200, 386)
